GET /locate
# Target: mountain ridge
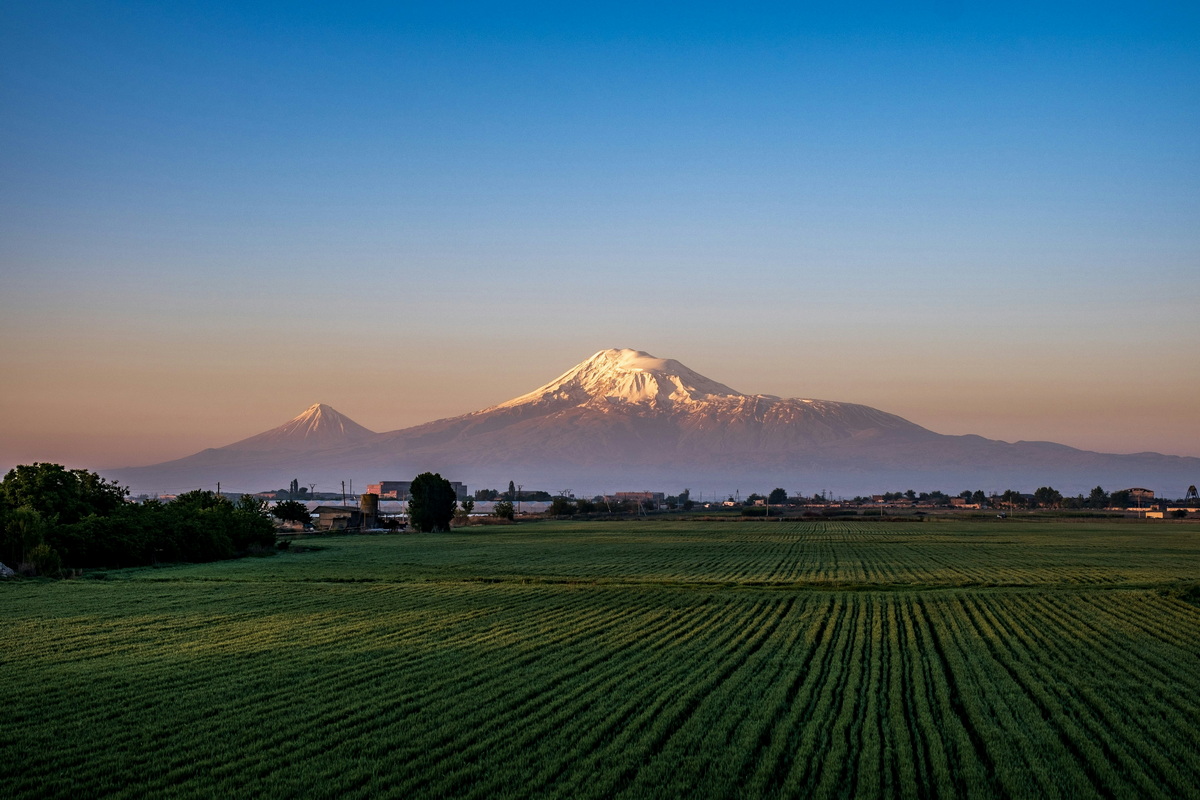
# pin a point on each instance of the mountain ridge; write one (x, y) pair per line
(623, 417)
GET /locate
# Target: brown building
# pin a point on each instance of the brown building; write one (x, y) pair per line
(336, 518)
(398, 490)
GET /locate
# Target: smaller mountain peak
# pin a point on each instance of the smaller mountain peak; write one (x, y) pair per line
(319, 426)
(317, 409)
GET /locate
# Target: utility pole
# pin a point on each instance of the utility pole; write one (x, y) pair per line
(343, 493)
(518, 498)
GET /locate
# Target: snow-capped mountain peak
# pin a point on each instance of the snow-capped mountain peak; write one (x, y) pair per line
(626, 376)
(627, 418)
(320, 426)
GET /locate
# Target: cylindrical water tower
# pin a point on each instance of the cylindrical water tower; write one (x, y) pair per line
(368, 505)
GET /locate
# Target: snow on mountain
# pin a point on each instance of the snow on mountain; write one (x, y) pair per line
(707, 415)
(624, 376)
(626, 418)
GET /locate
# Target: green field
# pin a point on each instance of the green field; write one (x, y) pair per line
(662, 659)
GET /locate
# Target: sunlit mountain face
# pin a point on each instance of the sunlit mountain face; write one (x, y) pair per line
(625, 418)
(320, 427)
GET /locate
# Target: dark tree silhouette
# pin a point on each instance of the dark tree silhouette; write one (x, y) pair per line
(431, 501)
(291, 511)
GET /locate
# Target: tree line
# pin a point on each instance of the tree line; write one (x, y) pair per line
(513, 494)
(52, 519)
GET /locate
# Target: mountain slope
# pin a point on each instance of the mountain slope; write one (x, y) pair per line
(624, 418)
(320, 427)
(628, 406)
(257, 462)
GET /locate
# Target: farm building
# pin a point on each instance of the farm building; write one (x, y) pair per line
(336, 518)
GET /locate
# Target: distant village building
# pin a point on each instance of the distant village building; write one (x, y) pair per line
(1141, 494)
(337, 518)
(641, 497)
(398, 490)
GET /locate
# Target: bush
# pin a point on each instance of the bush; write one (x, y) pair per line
(562, 507)
(45, 561)
(102, 530)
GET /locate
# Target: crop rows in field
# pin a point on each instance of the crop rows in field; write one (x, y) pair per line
(819, 553)
(486, 690)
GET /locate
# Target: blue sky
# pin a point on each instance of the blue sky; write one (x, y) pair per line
(981, 217)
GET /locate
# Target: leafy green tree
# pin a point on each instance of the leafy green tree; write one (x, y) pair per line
(201, 500)
(221, 530)
(24, 529)
(777, 497)
(936, 497)
(562, 507)
(1098, 498)
(45, 560)
(59, 494)
(291, 511)
(511, 494)
(1047, 497)
(431, 502)
(503, 509)
(252, 505)
(87, 523)
(1122, 498)
(463, 513)
(1012, 498)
